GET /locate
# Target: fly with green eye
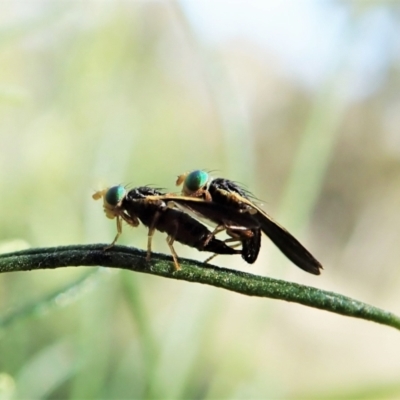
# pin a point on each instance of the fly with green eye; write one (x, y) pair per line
(144, 204)
(241, 227)
(239, 214)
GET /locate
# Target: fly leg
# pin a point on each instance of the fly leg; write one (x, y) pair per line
(170, 241)
(217, 230)
(225, 241)
(152, 229)
(221, 228)
(119, 231)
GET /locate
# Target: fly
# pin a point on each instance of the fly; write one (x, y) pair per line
(235, 202)
(143, 204)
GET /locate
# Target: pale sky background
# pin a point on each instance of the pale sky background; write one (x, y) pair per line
(309, 36)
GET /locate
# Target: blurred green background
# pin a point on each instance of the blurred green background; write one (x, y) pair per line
(94, 94)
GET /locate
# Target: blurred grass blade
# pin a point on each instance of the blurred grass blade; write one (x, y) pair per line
(46, 371)
(60, 298)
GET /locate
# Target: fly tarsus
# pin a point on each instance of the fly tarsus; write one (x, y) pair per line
(170, 242)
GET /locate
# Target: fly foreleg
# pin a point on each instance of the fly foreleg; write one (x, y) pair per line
(119, 231)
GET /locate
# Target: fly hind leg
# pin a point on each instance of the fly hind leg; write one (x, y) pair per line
(170, 241)
(218, 229)
(237, 244)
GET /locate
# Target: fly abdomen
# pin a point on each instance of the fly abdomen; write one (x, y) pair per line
(219, 247)
(251, 245)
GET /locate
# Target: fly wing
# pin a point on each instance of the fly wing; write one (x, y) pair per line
(217, 213)
(285, 241)
(289, 245)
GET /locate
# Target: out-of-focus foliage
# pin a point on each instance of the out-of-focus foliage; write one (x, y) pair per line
(100, 93)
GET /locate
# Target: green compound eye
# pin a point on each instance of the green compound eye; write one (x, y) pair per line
(115, 194)
(196, 180)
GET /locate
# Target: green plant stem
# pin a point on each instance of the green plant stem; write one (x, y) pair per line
(193, 271)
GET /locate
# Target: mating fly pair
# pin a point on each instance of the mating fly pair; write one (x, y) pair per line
(219, 201)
